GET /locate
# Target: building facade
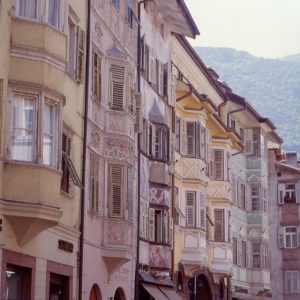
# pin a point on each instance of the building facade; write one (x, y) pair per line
(284, 195)
(41, 96)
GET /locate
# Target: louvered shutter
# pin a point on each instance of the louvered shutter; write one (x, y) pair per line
(116, 190)
(234, 190)
(202, 210)
(160, 79)
(94, 184)
(153, 135)
(249, 255)
(212, 164)
(165, 79)
(152, 68)
(219, 225)
(80, 54)
(191, 138)
(208, 150)
(183, 137)
(198, 139)
(131, 90)
(297, 187)
(117, 73)
(203, 142)
(298, 236)
(142, 54)
(239, 252)
(147, 62)
(219, 164)
(281, 193)
(171, 231)
(166, 226)
(172, 91)
(248, 197)
(144, 220)
(280, 232)
(130, 193)
(96, 79)
(190, 209)
(248, 141)
(138, 112)
(151, 226)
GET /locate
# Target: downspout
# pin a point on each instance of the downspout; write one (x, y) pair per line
(233, 112)
(186, 95)
(84, 147)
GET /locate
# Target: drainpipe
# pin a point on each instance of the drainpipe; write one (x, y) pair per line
(84, 147)
(233, 112)
(185, 95)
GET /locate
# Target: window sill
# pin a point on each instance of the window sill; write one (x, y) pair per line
(32, 165)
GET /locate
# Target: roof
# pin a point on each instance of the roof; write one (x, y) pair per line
(287, 167)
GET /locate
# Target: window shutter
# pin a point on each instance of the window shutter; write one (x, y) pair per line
(198, 139)
(249, 255)
(202, 202)
(139, 113)
(183, 137)
(203, 143)
(298, 236)
(80, 54)
(190, 208)
(172, 92)
(131, 96)
(207, 150)
(219, 225)
(281, 237)
(116, 190)
(160, 78)
(144, 220)
(117, 87)
(165, 79)
(130, 185)
(147, 62)
(219, 164)
(239, 252)
(142, 54)
(281, 192)
(171, 231)
(166, 227)
(297, 187)
(248, 141)
(248, 198)
(153, 135)
(96, 79)
(151, 224)
(234, 190)
(94, 184)
(152, 68)
(191, 138)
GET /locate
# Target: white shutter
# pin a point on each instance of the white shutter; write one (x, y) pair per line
(248, 197)
(191, 138)
(280, 237)
(94, 184)
(152, 67)
(116, 190)
(172, 92)
(131, 93)
(130, 186)
(234, 190)
(202, 210)
(248, 141)
(80, 55)
(117, 86)
(171, 231)
(96, 77)
(239, 252)
(151, 226)
(190, 209)
(160, 79)
(139, 113)
(219, 164)
(144, 220)
(281, 193)
(249, 255)
(219, 225)
(203, 142)
(183, 137)
(297, 187)
(207, 148)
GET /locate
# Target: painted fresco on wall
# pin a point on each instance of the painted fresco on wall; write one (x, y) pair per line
(160, 257)
(159, 196)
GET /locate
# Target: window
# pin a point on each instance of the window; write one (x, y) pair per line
(290, 237)
(195, 209)
(219, 225)
(177, 133)
(97, 77)
(116, 193)
(256, 142)
(244, 254)
(54, 13)
(217, 164)
(235, 250)
(58, 286)
(144, 220)
(264, 199)
(242, 196)
(116, 4)
(264, 256)
(34, 137)
(18, 282)
(191, 139)
(94, 184)
(255, 198)
(129, 13)
(28, 9)
(159, 225)
(190, 209)
(242, 134)
(256, 255)
(159, 141)
(292, 284)
(253, 142)
(290, 195)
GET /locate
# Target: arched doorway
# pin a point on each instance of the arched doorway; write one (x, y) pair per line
(119, 294)
(199, 288)
(95, 293)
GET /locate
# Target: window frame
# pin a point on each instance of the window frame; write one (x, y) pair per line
(222, 237)
(291, 236)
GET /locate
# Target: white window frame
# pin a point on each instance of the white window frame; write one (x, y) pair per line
(291, 237)
(40, 98)
(292, 281)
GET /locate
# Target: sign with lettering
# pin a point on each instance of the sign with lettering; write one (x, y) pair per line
(65, 246)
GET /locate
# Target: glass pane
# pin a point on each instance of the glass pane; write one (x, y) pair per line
(22, 129)
(53, 13)
(27, 8)
(48, 142)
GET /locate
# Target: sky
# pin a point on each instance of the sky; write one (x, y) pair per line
(264, 28)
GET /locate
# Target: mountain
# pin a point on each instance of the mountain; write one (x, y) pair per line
(272, 86)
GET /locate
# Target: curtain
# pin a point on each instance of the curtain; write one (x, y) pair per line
(22, 129)
(28, 8)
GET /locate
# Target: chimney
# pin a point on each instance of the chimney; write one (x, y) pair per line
(291, 158)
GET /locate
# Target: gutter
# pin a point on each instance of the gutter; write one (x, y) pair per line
(84, 148)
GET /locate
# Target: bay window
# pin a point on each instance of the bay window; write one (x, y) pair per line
(34, 129)
(27, 9)
(54, 18)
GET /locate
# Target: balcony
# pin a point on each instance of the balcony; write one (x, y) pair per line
(221, 261)
(41, 46)
(160, 257)
(31, 199)
(193, 169)
(117, 242)
(194, 254)
(220, 190)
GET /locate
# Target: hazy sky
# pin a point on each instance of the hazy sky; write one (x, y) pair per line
(268, 28)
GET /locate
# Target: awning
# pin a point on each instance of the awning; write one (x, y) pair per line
(154, 292)
(170, 293)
